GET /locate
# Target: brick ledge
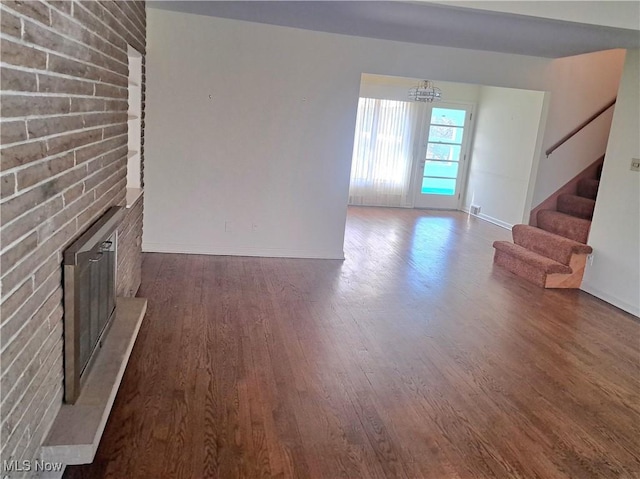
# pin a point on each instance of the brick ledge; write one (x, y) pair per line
(133, 195)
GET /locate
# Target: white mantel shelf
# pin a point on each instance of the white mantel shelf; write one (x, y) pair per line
(77, 429)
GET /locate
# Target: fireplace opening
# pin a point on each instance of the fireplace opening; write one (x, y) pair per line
(89, 297)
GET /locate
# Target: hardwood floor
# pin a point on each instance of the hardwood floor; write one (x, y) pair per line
(413, 358)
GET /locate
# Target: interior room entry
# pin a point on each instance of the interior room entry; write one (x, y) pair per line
(441, 163)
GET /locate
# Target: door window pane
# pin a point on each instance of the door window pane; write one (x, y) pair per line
(438, 186)
(436, 151)
(443, 169)
(446, 116)
(446, 134)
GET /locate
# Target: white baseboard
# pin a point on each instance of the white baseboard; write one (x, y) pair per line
(495, 221)
(490, 219)
(617, 302)
(239, 251)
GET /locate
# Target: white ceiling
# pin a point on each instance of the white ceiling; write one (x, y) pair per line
(435, 23)
(609, 13)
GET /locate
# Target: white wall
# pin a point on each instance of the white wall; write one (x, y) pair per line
(615, 232)
(504, 148)
(273, 145)
(579, 86)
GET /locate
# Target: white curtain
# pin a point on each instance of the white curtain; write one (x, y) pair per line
(382, 152)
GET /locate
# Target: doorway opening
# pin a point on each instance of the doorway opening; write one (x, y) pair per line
(406, 153)
(478, 147)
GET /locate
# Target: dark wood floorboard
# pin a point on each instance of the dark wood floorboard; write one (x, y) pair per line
(413, 358)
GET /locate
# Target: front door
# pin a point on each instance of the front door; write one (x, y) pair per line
(442, 162)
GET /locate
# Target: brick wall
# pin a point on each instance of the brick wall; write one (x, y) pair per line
(64, 154)
(129, 251)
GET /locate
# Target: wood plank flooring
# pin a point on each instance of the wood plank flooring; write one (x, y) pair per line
(413, 358)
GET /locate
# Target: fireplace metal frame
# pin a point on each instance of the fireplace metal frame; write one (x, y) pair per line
(86, 249)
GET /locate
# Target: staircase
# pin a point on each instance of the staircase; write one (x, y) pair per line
(553, 254)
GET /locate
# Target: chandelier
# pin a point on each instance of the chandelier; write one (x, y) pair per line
(425, 92)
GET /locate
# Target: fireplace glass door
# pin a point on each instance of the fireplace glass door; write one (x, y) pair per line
(97, 297)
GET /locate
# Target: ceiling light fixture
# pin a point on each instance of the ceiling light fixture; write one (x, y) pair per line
(425, 92)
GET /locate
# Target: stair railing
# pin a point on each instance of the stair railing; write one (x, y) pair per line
(573, 132)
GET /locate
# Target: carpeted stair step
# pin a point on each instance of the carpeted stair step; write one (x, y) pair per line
(588, 188)
(526, 264)
(565, 225)
(550, 245)
(576, 206)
